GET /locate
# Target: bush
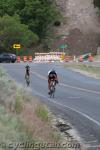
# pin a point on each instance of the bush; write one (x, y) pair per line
(12, 31)
(42, 112)
(37, 14)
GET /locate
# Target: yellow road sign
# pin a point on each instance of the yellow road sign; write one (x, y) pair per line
(16, 46)
(62, 57)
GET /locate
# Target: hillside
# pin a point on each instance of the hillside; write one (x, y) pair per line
(80, 26)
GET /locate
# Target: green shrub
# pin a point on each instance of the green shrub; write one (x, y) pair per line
(42, 112)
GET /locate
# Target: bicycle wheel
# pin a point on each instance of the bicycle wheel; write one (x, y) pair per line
(28, 83)
(27, 80)
(52, 91)
(53, 94)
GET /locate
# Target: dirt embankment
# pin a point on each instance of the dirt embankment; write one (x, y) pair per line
(79, 14)
(80, 26)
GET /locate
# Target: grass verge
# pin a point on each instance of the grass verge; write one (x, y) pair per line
(85, 69)
(97, 58)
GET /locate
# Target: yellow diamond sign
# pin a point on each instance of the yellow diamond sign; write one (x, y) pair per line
(16, 46)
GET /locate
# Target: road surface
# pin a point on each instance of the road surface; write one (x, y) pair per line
(77, 97)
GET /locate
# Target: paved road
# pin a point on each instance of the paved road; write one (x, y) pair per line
(77, 97)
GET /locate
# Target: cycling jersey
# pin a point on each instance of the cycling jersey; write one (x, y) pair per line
(27, 70)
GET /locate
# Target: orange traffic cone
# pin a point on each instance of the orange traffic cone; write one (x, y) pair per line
(18, 59)
(30, 58)
(90, 58)
(81, 59)
(25, 58)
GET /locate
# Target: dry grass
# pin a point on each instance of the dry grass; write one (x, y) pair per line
(39, 127)
(85, 69)
(97, 58)
(42, 112)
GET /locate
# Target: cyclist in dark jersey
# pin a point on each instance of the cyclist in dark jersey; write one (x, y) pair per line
(52, 75)
(27, 74)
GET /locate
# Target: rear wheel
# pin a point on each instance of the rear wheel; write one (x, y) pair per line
(28, 83)
(52, 91)
(27, 80)
(53, 95)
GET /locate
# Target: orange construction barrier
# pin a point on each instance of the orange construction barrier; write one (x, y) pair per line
(68, 58)
(81, 59)
(18, 59)
(90, 58)
(25, 58)
(30, 59)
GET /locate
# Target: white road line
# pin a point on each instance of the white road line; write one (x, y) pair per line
(74, 97)
(64, 106)
(81, 89)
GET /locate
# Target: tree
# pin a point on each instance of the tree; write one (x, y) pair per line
(12, 31)
(11, 7)
(37, 14)
(97, 3)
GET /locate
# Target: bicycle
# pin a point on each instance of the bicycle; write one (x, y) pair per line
(27, 78)
(52, 88)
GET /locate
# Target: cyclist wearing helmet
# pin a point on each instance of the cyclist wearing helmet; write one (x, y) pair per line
(52, 75)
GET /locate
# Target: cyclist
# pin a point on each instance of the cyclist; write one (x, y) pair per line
(27, 73)
(52, 75)
(27, 67)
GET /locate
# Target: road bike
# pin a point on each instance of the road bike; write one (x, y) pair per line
(52, 88)
(27, 78)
